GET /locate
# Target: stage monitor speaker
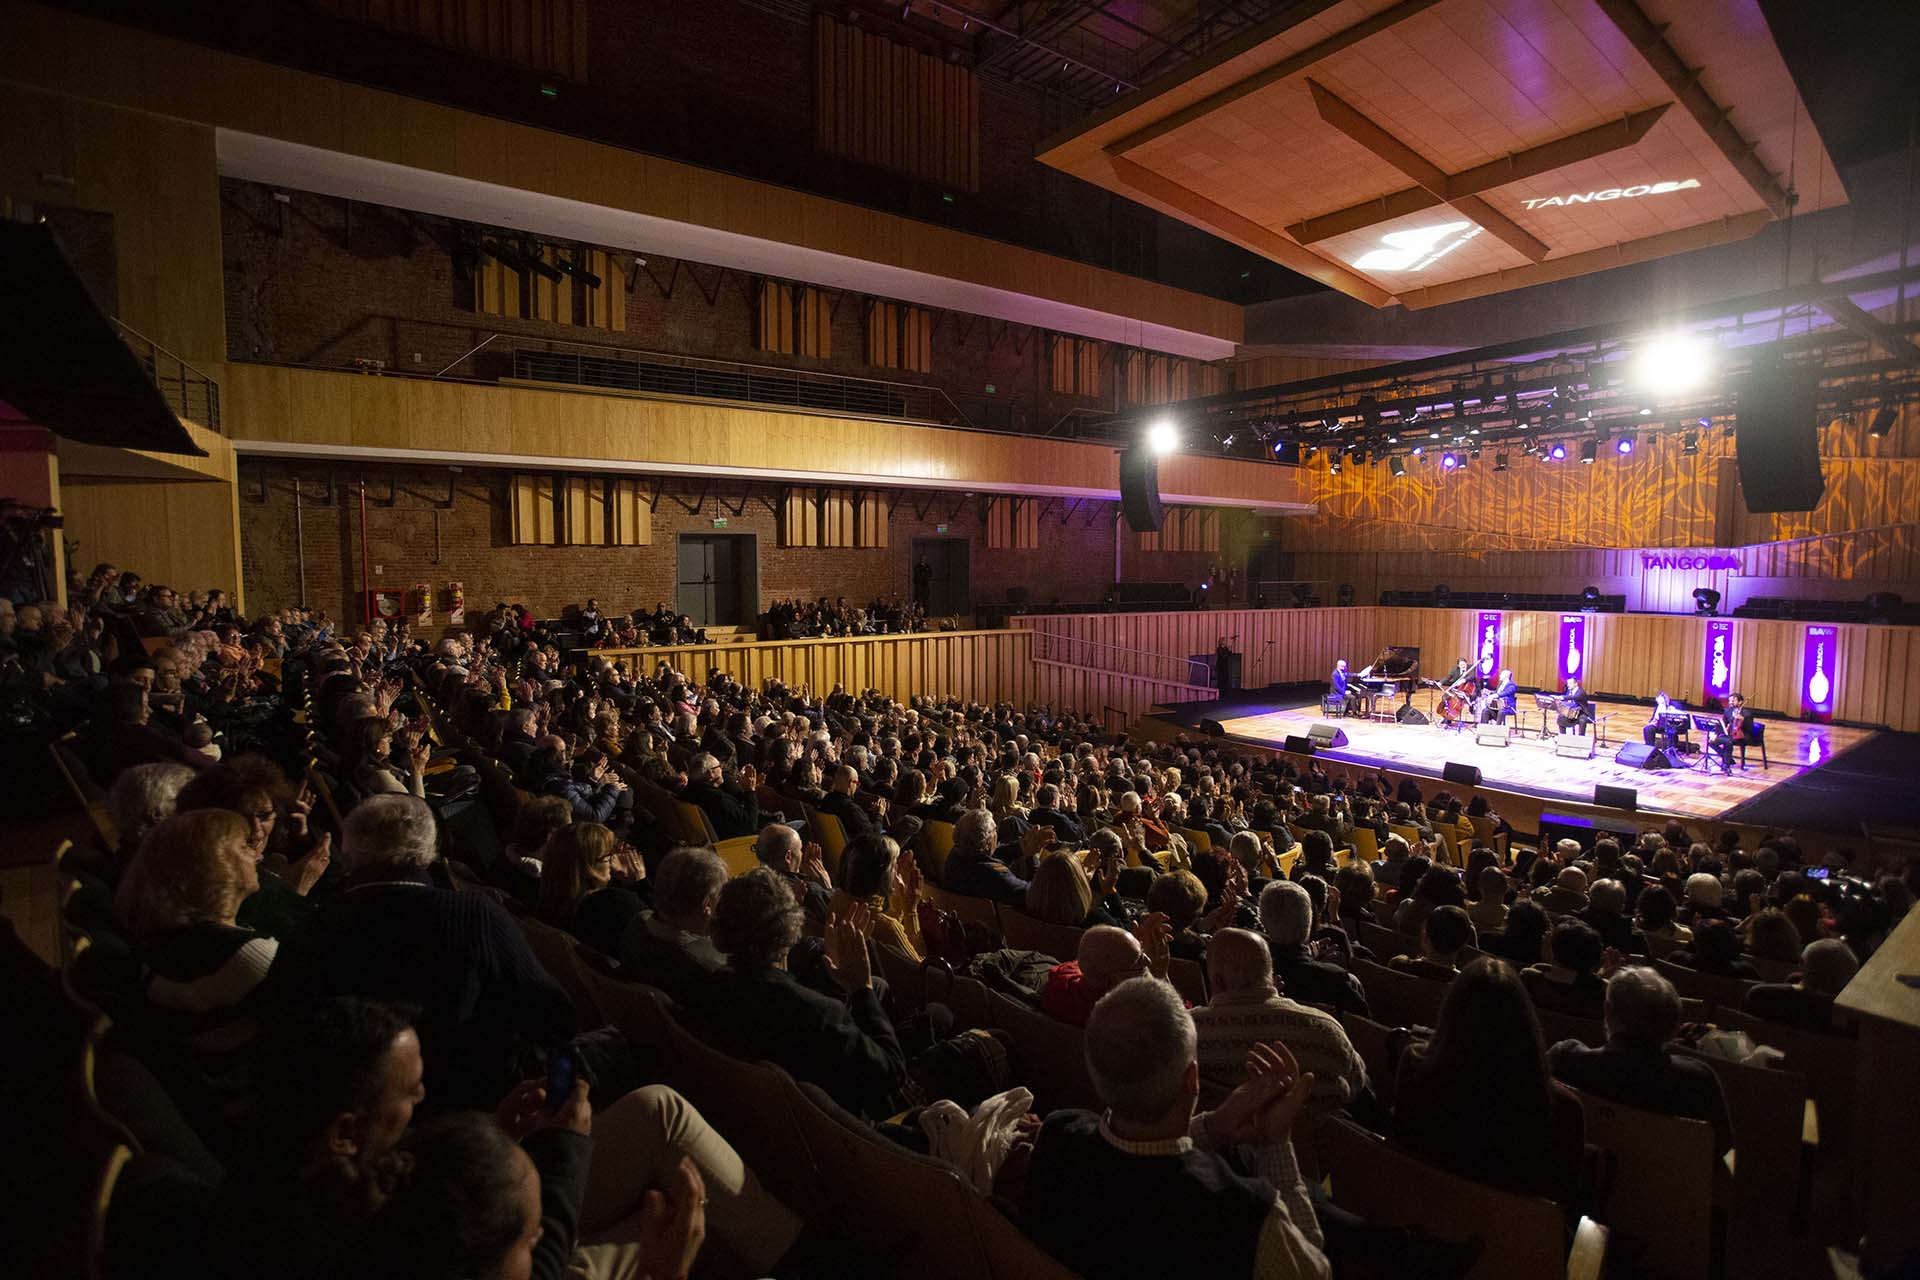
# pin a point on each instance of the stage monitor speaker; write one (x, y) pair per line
(1574, 746)
(1299, 745)
(1410, 714)
(1140, 490)
(1492, 735)
(1641, 756)
(1616, 797)
(1327, 735)
(1777, 441)
(1467, 775)
(1213, 727)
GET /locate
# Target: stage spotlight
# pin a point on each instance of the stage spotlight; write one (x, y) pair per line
(1672, 364)
(1624, 446)
(1441, 594)
(1589, 597)
(1706, 600)
(1163, 437)
(1589, 450)
(1882, 421)
(1396, 466)
(1449, 461)
(1558, 453)
(1419, 449)
(1333, 467)
(1499, 462)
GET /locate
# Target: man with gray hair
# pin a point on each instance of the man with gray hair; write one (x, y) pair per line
(142, 798)
(1286, 918)
(669, 947)
(1095, 1180)
(803, 867)
(1826, 967)
(732, 807)
(397, 935)
(1247, 1008)
(1635, 1067)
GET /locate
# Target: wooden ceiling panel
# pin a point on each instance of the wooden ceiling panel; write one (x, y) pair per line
(1342, 141)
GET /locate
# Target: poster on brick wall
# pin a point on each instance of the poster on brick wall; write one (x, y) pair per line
(456, 604)
(422, 605)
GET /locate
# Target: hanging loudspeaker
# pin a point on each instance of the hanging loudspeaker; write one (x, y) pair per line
(1140, 490)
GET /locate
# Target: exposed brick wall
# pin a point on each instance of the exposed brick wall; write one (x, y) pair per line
(413, 540)
(307, 284)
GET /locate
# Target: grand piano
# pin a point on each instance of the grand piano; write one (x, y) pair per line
(1395, 672)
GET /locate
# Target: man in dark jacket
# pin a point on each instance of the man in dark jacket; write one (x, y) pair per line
(1286, 918)
(1634, 1067)
(732, 808)
(1046, 812)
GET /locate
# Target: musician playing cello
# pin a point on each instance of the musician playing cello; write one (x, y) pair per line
(1736, 727)
(1576, 709)
(1502, 701)
(1457, 688)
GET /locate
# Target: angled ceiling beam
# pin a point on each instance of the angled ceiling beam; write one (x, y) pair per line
(1651, 41)
(1224, 222)
(1849, 315)
(1274, 74)
(1519, 166)
(1347, 119)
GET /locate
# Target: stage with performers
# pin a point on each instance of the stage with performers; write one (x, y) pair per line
(1530, 764)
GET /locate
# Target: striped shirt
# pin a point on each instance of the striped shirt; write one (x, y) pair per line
(201, 997)
(1234, 1021)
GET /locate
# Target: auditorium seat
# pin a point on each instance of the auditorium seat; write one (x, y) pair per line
(1656, 1189)
(831, 837)
(1521, 1237)
(1400, 999)
(935, 843)
(1766, 1107)
(696, 828)
(555, 949)
(1049, 1057)
(738, 853)
(1719, 992)
(981, 911)
(1189, 978)
(1023, 933)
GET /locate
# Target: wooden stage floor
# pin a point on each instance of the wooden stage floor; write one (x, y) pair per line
(1529, 765)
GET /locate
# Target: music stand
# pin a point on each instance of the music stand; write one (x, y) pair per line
(1546, 704)
(1707, 725)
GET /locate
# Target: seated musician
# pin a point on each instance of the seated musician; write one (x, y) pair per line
(1504, 705)
(1736, 727)
(1576, 709)
(1661, 730)
(1461, 670)
(1344, 689)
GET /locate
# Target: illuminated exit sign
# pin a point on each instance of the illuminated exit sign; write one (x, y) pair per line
(1612, 193)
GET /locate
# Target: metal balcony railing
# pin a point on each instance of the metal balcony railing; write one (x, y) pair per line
(191, 394)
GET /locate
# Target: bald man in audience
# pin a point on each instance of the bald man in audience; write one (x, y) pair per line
(1248, 1008)
(1107, 957)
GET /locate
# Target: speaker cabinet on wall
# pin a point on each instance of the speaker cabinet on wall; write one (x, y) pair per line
(1465, 774)
(1777, 441)
(1641, 756)
(1140, 490)
(1299, 745)
(1327, 735)
(1616, 797)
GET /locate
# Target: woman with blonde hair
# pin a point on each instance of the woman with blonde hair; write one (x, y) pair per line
(578, 888)
(1060, 892)
(180, 898)
(874, 871)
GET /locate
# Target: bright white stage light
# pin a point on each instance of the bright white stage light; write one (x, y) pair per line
(1163, 437)
(1673, 364)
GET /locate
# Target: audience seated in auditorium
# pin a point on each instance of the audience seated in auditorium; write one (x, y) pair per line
(1826, 967)
(973, 865)
(1097, 1182)
(800, 863)
(1106, 957)
(874, 872)
(1446, 933)
(1570, 981)
(1286, 919)
(1635, 1066)
(669, 947)
(588, 882)
(1715, 950)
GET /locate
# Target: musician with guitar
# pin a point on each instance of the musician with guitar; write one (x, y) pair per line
(1736, 727)
(1576, 709)
(1500, 702)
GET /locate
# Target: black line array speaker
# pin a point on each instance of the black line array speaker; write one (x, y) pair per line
(1212, 727)
(1777, 441)
(1327, 735)
(1616, 797)
(1299, 745)
(1465, 774)
(1140, 489)
(1642, 756)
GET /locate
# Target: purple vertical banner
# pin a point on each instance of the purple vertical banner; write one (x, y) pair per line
(1716, 663)
(1486, 643)
(1818, 678)
(1571, 661)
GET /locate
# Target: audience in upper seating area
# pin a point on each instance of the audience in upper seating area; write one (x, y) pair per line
(310, 963)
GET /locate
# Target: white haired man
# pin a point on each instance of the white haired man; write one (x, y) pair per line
(1096, 1179)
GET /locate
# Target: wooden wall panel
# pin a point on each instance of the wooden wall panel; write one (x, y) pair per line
(1877, 677)
(346, 410)
(185, 534)
(544, 35)
(632, 514)
(884, 104)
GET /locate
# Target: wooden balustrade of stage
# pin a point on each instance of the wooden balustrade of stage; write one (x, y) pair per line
(978, 666)
(1876, 677)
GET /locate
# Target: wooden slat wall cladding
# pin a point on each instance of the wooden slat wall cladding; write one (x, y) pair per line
(584, 499)
(885, 104)
(1076, 366)
(1185, 529)
(1013, 524)
(899, 336)
(1152, 378)
(532, 516)
(501, 290)
(1877, 675)
(833, 518)
(632, 514)
(546, 35)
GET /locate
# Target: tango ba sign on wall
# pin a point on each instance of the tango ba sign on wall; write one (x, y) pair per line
(1571, 660)
(1716, 663)
(1606, 194)
(1818, 683)
(1486, 643)
(1716, 560)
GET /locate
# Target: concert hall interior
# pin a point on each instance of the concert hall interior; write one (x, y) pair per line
(960, 638)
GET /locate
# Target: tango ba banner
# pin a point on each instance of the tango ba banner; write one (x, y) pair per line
(1716, 664)
(1571, 662)
(1817, 670)
(1486, 643)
